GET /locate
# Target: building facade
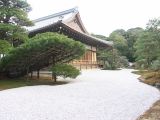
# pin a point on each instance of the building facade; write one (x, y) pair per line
(70, 24)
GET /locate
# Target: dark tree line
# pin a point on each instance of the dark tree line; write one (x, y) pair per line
(140, 46)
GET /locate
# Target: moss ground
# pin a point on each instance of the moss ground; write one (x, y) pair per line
(151, 78)
(20, 82)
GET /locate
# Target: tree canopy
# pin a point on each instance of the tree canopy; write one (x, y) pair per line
(112, 60)
(41, 51)
(132, 36)
(148, 45)
(144, 47)
(64, 70)
(100, 37)
(4, 46)
(119, 32)
(120, 43)
(13, 18)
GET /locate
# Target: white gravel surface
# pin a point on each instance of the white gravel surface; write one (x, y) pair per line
(95, 95)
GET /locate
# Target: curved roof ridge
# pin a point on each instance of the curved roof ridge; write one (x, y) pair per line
(72, 10)
(109, 43)
(81, 23)
(76, 16)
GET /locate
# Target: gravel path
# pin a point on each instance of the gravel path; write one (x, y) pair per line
(95, 95)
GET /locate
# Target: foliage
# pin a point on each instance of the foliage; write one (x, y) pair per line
(100, 37)
(141, 64)
(4, 46)
(120, 32)
(148, 45)
(108, 59)
(138, 45)
(41, 51)
(124, 41)
(156, 65)
(120, 43)
(132, 36)
(153, 25)
(123, 61)
(65, 70)
(112, 60)
(13, 18)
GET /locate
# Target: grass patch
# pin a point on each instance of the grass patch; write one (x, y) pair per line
(153, 113)
(140, 72)
(149, 77)
(21, 82)
(8, 83)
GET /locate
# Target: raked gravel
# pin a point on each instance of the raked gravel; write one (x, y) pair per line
(94, 95)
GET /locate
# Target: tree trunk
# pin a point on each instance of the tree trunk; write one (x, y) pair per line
(38, 74)
(27, 73)
(54, 77)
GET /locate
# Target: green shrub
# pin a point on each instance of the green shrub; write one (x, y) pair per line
(112, 60)
(65, 70)
(141, 64)
(156, 65)
(4, 46)
(123, 61)
(109, 66)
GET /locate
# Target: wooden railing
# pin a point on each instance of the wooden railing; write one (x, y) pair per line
(84, 64)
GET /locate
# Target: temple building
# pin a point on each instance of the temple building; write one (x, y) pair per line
(70, 24)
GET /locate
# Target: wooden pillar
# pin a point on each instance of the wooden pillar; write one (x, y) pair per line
(31, 74)
(86, 64)
(80, 66)
(87, 60)
(96, 55)
(91, 58)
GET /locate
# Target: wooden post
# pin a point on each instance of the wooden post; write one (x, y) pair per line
(31, 74)
(80, 65)
(86, 64)
(91, 58)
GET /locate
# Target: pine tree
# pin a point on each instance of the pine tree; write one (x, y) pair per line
(13, 19)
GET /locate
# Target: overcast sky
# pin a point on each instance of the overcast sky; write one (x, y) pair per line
(102, 16)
